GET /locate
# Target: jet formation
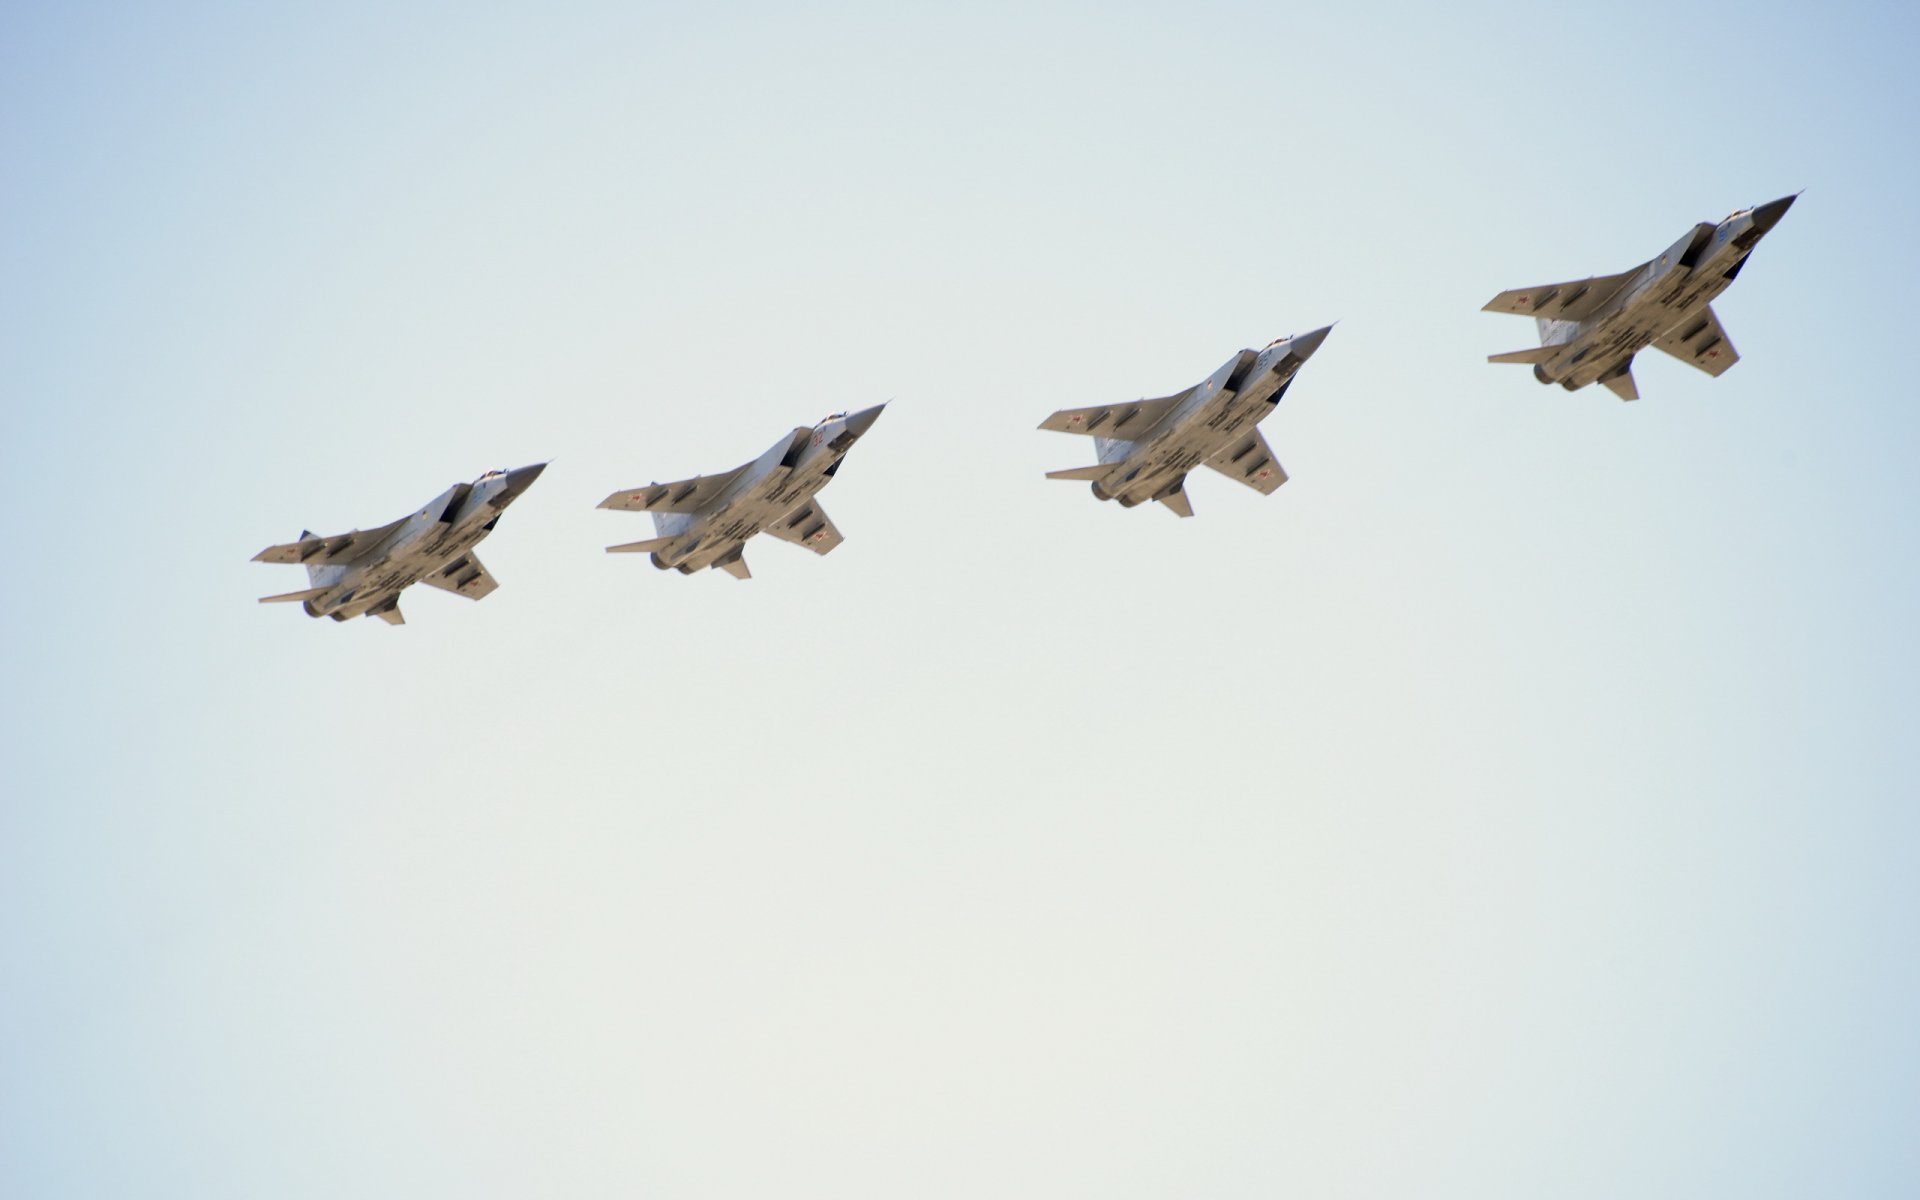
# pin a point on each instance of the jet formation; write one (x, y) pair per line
(1590, 330)
(362, 573)
(705, 522)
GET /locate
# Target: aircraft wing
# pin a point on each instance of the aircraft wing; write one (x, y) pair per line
(1250, 460)
(681, 496)
(1127, 420)
(1700, 342)
(327, 551)
(807, 526)
(464, 576)
(1574, 301)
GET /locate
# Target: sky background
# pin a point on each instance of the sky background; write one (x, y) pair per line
(1519, 803)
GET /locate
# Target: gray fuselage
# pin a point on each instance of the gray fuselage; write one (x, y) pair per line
(769, 489)
(424, 543)
(1206, 420)
(1666, 295)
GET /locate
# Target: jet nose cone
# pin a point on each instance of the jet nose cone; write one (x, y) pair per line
(519, 480)
(1304, 344)
(858, 423)
(1768, 215)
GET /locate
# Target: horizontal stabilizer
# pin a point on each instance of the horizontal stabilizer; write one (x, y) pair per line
(291, 597)
(1538, 354)
(1096, 471)
(647, 547)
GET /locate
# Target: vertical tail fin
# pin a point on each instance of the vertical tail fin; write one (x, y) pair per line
(1174, 496)
(1620, 382)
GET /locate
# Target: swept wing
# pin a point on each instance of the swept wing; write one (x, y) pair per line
(807, 526)
(1128, 420)
(1700, 342)
(464, 576)
(328, 551)
(1575, 301)
(1250, 460)
(681, 496)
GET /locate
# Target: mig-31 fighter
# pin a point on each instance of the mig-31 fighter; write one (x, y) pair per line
(706, 521)
(1146, 447)
(361, 574)
(1590, 329)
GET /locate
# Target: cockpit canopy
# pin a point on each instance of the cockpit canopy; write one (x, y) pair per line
(834, 416)
(497, 474)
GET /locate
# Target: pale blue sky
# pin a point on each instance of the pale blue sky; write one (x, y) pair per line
(1519, 803)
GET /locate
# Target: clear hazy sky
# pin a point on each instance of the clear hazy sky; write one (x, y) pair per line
(1520, 803)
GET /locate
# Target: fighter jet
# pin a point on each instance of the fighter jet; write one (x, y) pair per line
(706, 521)
(1591, 329)
(1146, 447)
(362, 573)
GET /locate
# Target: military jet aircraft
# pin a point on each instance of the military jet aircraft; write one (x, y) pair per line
(1146, 447)
(706, 521)
(362, 573)
(1591, 329)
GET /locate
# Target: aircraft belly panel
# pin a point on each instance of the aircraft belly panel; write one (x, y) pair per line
(793, 491)
(712, 551)
(1705, 292)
